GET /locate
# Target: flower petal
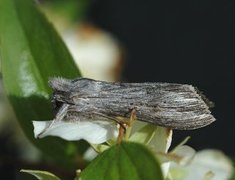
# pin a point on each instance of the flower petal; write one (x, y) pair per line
(94, 132)
(161, 141)
(186, 154)
(207, 164)
(144, 134)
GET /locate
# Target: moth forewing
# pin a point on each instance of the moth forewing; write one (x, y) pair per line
(170, 105)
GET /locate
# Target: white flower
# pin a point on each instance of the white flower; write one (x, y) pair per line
(182, 163)
(95, 132)
(206, 165)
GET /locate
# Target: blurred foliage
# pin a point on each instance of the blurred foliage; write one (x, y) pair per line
(233, 176)
(72, 10)
(31, 52)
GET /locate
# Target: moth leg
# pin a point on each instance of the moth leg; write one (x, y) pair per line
(62, 112)
(123, 123)
(127, 126)
(118, 121)
(132, 117)
(59, 117)
(121, 132)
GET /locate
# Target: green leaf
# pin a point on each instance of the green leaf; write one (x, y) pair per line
(41, 175)
(71, 10)
(124, 161)
(31, 51)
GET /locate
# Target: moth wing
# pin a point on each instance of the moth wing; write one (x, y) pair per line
(176, 106)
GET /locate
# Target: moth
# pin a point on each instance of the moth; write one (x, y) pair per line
(176, 106)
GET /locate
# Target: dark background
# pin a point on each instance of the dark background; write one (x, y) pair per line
(180, 41)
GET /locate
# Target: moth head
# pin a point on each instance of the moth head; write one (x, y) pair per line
(60, 84)
(61, 88)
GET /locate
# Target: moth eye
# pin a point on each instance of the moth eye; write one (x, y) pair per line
(56, 105)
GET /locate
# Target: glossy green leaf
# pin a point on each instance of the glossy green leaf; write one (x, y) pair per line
(41, 175)
(124, 161)
(31, 51)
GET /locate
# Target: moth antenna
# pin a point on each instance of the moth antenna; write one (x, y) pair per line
(60, 84)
